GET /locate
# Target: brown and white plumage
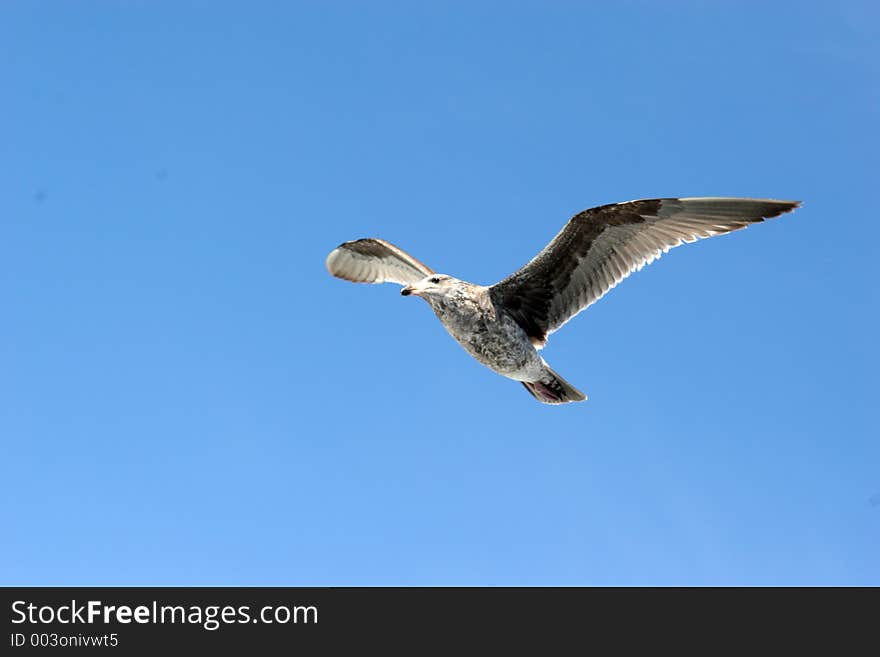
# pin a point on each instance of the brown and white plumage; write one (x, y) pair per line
(601, 246)
(502, 325)
(372, 260)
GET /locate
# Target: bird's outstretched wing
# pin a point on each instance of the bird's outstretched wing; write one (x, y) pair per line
(601, 246)
(372, 260)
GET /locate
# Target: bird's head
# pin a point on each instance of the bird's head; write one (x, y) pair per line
(433, 287)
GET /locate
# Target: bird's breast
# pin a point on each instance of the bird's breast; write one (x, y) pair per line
(495, 340)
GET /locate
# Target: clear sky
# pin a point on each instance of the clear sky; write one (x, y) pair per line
(189, 398)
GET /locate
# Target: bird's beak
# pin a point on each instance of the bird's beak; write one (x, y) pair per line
(409, 289)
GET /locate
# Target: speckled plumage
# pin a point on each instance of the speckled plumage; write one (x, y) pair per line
(487, 333)
(502, 326)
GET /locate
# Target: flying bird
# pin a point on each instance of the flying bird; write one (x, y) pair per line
(504, 325)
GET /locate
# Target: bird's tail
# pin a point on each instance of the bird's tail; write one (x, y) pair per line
(553, 389)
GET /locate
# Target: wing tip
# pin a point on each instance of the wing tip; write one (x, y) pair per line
(758, 208)
(781, 207)
(336, 266)
(331, 260)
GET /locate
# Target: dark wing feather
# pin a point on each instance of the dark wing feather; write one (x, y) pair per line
(601, 246)
(373, 260)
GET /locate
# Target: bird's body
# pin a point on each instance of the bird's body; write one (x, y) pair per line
(504, 325)
(494, 338)
(487, 333)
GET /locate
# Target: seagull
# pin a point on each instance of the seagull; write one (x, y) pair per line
(504, 325)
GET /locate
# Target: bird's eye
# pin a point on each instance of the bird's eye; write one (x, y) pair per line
(434, 279)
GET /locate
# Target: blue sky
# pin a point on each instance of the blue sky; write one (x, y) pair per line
(189, 397)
